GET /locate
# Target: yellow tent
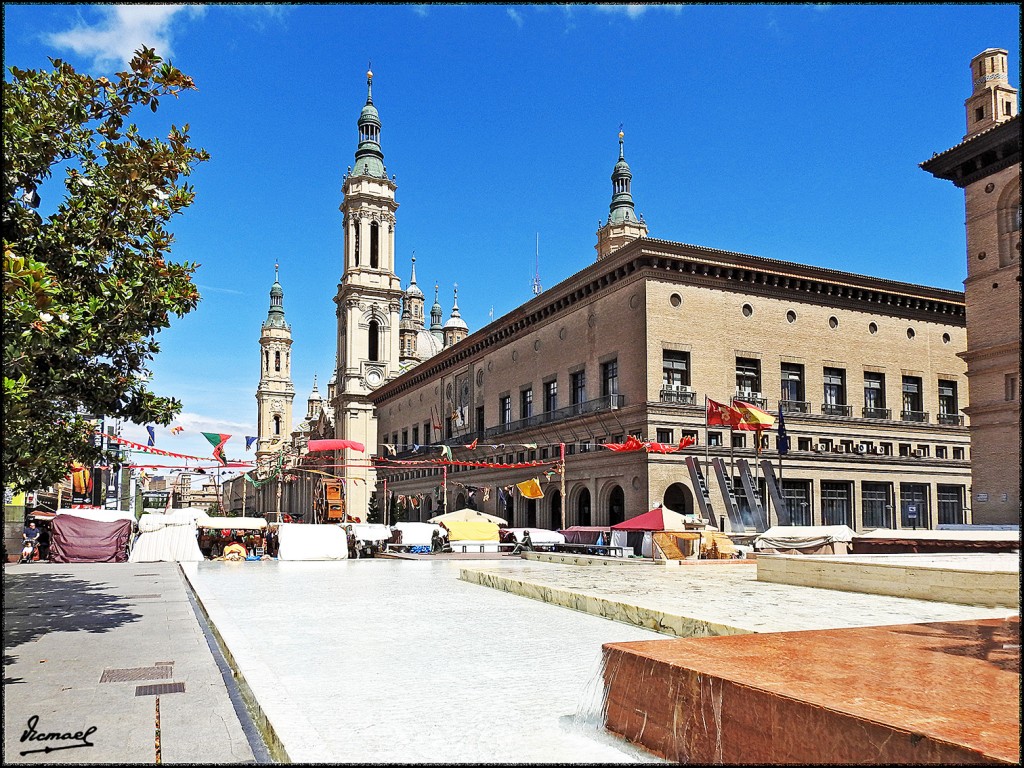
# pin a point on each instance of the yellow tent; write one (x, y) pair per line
(471, 530)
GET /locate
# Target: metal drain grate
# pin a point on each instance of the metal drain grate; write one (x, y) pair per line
(157, 690)
(157, 672)
(144, 574)
(139, 597)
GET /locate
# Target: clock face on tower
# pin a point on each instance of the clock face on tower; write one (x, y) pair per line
(373, 378)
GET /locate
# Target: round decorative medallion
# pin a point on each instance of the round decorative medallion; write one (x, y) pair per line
(634, 301)
(592, 320)
(479, 378)
(791, 316)
(515, 355)
(562, 334)
(982, 255)
(833, 322)
(872, 328)
(636, 483)
(989, 187)
(450, 391)
(945, 338)
(910, 333)
(373, 378)
(536, 345)
(747, 310)
(675, 299)
(490, 366)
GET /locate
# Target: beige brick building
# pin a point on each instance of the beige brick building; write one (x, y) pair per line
(986, 165)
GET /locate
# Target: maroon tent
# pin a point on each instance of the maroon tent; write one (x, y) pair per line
(78, 540)
(585, 534)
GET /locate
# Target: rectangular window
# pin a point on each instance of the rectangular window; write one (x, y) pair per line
(578, 385)
(793, 387)
(675, 369)
(714, 438)
(940, 452)
(979, 113)
(526, 403)
(748, 377)
(913, 404)
(923, 450)
(480, 419)
(803, 444)
(426, 432)
(885, 449)
(405, 439)
(958, 454)
(505, 409)
(949, 407)
(914, 505)
(550, 396)
(874, 396)
(796, 495)
(1010, 382)
(610, 378)
(665, 436)
(876, 504)
(739, 440)
(951, 504)
(416, 435)
(836, 505)
(833, 402)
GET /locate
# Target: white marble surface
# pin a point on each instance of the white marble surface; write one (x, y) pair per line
(715, 599)
(398, 661)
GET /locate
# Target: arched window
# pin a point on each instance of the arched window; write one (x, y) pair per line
(355, 240)
(266, 360)
(556, 511)
(277, 361)
(374, 245)
(616, 506)
(583, 516)
(277, 425)
(374, 339)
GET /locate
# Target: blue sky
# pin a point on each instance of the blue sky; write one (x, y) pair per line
(790, 132)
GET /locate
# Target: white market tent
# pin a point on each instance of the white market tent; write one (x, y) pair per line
(538, 535)
(167, 538)
(806, 539)
(370, 531)
(231, 523)
(418, 534)
(299, 541)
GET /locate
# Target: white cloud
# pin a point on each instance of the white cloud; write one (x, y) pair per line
(421, 10)
(122, 29)
(635, 10)
(516, 16)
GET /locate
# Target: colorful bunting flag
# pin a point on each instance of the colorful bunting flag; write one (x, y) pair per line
(530, 489)
(152, 436)
(217, 440)
(632, 444)
(249, 440)
(177, 430)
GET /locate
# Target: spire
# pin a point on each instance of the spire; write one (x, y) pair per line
(435, 312)
(275, 315)
(413, 289)
(456, 321)
(621, 208)
(369, 157)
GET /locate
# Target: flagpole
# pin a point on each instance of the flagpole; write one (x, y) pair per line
(561, 448)
(707, 456)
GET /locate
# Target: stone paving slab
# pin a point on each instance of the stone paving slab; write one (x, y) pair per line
(65, 625)
(397, 661)
(722, 600)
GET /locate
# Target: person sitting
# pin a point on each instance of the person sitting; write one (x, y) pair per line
(235, 550)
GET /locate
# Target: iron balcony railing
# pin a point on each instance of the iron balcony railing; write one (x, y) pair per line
(951, 419)
(876, 413)
(795, 406)
(754, 398)
(678, 396)
(835, 409)
(607, 403)
(919, 416)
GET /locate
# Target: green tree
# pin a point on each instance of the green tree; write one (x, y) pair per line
(87, 288)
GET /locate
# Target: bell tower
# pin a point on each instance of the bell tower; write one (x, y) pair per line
(368, 302)
(993, 99)
(622, 226)
(275, 393)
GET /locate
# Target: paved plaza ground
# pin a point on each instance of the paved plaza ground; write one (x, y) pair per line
(362, 661)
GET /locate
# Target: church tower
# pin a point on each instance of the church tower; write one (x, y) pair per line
(622, 226)
(993, 100)
(275, 393)
(368, 302)
(455, 330)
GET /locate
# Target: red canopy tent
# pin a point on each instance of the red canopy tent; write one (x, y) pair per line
(657, 519)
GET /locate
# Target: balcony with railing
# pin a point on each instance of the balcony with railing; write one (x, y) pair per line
(678, 395)
(876, 413)
(607, 403)
(795, 406)
(836, 409)
(754, 398)
(951, 419)
(918, 416)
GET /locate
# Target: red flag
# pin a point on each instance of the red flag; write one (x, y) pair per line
(720, 415)
(217, 440)
(631, 444)
(754, 419)
(335, 445)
